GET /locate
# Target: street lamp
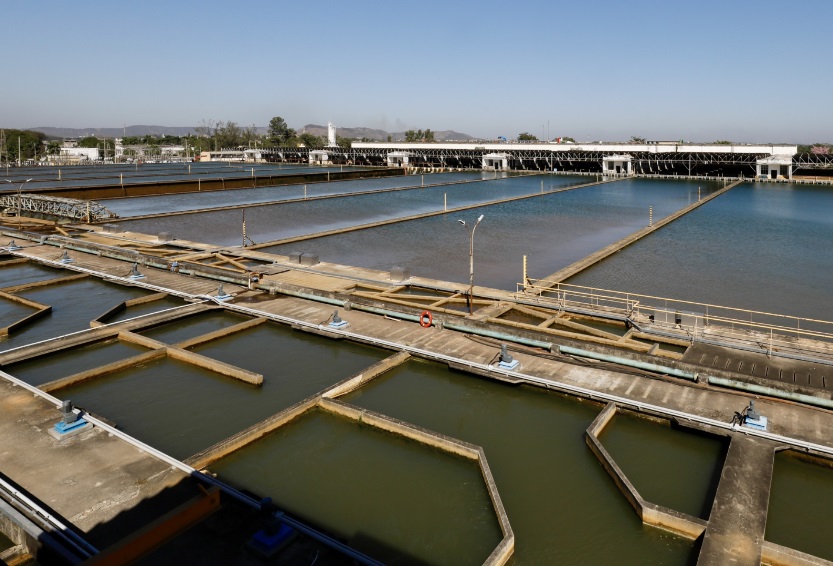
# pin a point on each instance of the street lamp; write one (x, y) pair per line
(471, 260)
(19, 188)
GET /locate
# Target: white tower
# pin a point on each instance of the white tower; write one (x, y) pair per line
(331, 135)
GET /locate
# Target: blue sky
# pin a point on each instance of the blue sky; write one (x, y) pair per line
(603, 70)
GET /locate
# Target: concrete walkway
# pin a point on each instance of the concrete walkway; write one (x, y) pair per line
(89, 479)
(737, 522)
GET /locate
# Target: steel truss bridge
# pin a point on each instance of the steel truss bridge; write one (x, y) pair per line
(812, 161)
(645, 159)
(60, 207)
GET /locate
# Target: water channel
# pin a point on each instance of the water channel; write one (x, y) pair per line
(80, 176)
(760, 246)
(270, 222)
(138, 206)
(552, 230)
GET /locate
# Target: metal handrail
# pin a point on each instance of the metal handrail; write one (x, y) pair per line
(627, 302)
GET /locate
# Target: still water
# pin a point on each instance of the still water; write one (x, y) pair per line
(74, 305)
(563, 507)
(44, 369)
(397, 500)
(552, 230)
(182, 409)
(271, 222)
(81, 176)
(800, 500)
(691, 463)
(760, 246)
(137, 206)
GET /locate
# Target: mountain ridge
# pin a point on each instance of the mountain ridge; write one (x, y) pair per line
(354, 133)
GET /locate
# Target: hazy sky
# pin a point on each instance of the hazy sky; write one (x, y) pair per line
(699, 70)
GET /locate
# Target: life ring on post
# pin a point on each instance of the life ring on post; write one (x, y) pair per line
(425, 319)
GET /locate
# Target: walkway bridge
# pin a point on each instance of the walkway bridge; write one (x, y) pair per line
(61, 207)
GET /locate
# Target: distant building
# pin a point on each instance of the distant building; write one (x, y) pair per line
(331, 135)
(775, 167)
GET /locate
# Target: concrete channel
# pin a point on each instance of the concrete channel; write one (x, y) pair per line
(119, 190)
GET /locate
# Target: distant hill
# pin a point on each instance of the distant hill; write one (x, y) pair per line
(115, 132)
(315, 129)
(380, 135)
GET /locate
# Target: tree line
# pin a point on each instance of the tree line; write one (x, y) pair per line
(212, 135)
(29, 142)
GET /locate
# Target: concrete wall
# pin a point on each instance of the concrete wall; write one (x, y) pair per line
(650, 513)
(502, 553)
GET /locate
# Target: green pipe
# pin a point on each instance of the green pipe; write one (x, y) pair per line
(414, 318)
(626, 362)
(499, 336)
(771, 392)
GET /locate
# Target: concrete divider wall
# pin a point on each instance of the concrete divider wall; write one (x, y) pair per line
(56, 345)
(140, 340)
(204, 338)
(401, 428)
(121, 307)
(777, 555)
(650, 513)
(598, 256)
(215, 365)
(101, 371)
(505, 549)
(371, 373)
(251, 434)
(44, 283)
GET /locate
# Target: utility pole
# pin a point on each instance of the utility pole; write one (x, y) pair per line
(471, 260)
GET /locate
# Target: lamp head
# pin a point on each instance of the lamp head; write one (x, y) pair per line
(463, 222)
(481, 218)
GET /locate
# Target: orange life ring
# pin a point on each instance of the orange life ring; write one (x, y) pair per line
(425, 323)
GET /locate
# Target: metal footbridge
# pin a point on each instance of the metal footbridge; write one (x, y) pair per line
(61, 207)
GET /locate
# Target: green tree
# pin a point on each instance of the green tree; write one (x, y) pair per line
(526, 136)
(723, 142)
(29, 141)
(312, 141)
(636, 139)
(279, 132)
(205, 129)
(250, 136)
(53, 148)
(344, 143)
(428, 136)
(89, 141)
(228, 134)
(410, 136)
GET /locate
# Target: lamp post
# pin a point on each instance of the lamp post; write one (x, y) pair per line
(19, 197)
(471, 259)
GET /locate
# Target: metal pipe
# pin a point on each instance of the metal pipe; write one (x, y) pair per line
(626, 362)
(499, 336)
(69, 536)
(770, 392)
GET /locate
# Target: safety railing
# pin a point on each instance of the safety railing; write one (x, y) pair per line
(756, 330)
